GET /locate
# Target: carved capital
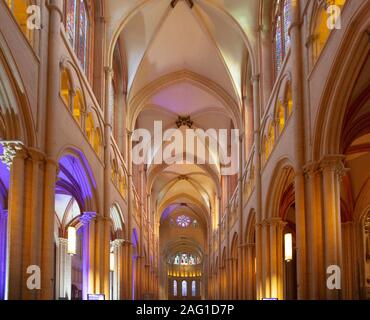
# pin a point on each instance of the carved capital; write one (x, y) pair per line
(11, 149)
(63, 241)
(277, 222)
(36, 155)
(117, 243)
(334, 163)
(108, 71)
(311, 169)
(87, 217)
(255, 78)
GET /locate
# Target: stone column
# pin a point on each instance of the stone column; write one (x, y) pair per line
(315, 249)
(3, 251)
(15, 228)
(250, 271)
(118, 251)
(125, 144)
(332, 170)
(299, 146)
(102, 250)
(266, 292)
(130, 208)
(249, 122)
(276, 258)
(105, 245)
(53, 71)
(53, 88)
(88, 254)
(258, 188)
(219, 214)
(240, 262)
(267, 63)
(103, 225)
(228, 278)
(47, 254)
(125, 289)
(63, 270)
(33, 226)
(350, 284)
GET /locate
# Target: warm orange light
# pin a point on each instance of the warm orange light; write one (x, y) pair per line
(72, 235)
(288, 247)
(112, 261)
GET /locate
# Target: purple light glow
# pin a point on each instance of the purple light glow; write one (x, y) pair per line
(166, 212)
(134, 239)
(85, 261)
(4, 172)
(76, 173)
(4, 188)
(75, 177)
(3, 251)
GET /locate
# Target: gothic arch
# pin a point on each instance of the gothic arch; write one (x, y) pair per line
(14, 104)
(125, 20)
(280, 180)
(343, 74)
(137, 103)
(76, 177)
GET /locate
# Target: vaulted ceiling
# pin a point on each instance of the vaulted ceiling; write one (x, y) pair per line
(184, 58)
(212, 38)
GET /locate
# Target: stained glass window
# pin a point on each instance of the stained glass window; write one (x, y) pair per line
(77, 29)
(287, 22)
(278, 44)
(70, 21)
(321, 30)
(19, 10)
(193, 288)
(184, 288)
(82, 37)
(185, 259)
(282, 22)
(174, 288)
(183, 221)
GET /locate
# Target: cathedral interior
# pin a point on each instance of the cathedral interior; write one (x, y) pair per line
(100, 198)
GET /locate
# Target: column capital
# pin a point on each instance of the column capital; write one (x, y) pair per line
(292, 26)
(334, 163)
(276, 222)
(12, 149)
(63, 241)
(87, 217)
(109, 71)
(129, 133)
(265, 30)
(53, 5)
(309, 40)
(250, 245)
(36, 154)
(117, 243)
(311, 168)
(255, 78)
(247, 245)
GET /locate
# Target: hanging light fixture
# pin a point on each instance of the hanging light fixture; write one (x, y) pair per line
(72, 235)
(111, 261)
(288, 241)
